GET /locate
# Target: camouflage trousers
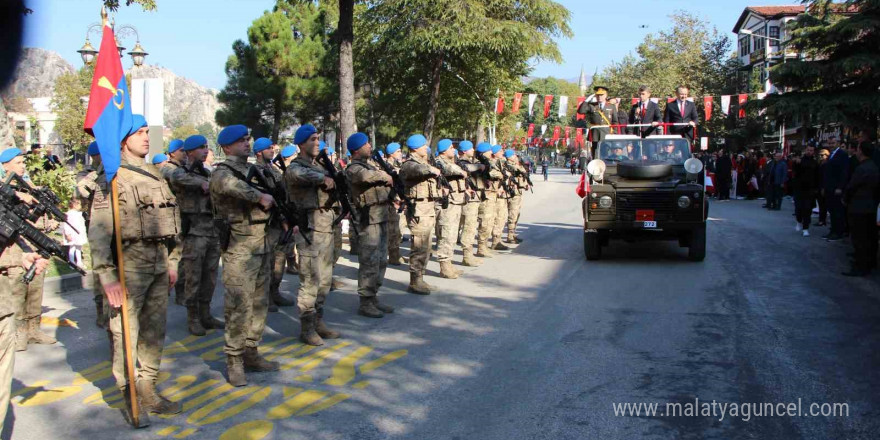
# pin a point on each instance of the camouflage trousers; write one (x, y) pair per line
(27, 298)
(487, 219)
(372, 258)
(470, 219)
(315, 270)
(7, 355)
(337, 241)
(394, 235)
(200, 261)
(147, 303)
(449, 220)
(514, 206)
(500, 218)
(278, 263)
(246, 278)
(420, 250)
(180, 284)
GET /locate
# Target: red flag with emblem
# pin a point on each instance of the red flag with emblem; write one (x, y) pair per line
(707, 106)
(743, 98)
(531, 131)
(517, 99)
(548, 101)
(556, 133)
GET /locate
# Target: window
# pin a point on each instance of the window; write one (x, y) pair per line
(774, 36)
(745, 46)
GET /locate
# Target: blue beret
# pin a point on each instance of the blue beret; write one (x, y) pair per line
(465, 145)
(230, 134)
(93, 149)
(159, 158)
(356, 141)
(288, 151)
(496, 149)
(193, 142)
(509, 152)
(416, 141)
(392, 147)
(174, 145)
(303, 133)
(483, 147)
(262, 144)
(8, 154)
(137, 122)
(443, 145)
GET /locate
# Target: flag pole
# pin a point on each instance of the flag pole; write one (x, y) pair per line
(126, 332)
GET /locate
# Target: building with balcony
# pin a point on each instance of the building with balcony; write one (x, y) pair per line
(761, 36)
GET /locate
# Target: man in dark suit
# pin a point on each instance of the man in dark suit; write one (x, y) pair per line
(723, 167)
(834, 179)
(861, 203)
(681, 111)
(599, 113)
(645, 112)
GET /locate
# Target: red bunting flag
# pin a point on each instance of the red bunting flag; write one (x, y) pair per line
(531, 131)
(556, 133)
(567, 134)
(499, 105)
(743, 97)
(517, 99)
(635, 101)
(580, 100)
(548, 100)
(707, 106)
(669, 100)
(579, 138)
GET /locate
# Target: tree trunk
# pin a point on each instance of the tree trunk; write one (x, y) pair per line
(347, 123)
(481, 131)
(434, 101)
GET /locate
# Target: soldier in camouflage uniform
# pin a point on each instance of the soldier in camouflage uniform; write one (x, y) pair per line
(176, 160)
(371, 191)
(288, 154)
(501, 202)
(201, 246)
(241, 214)
(86, 186)
(278, 258)
(28, 296)
(150, 225)
(450, 218)
(470, 210)
(337, 229)
(393, 158)
(420, 179)
(514, 204)
(487, 184)
(308, 183)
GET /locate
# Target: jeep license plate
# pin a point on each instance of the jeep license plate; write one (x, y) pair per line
(650, 224)
(644, 215)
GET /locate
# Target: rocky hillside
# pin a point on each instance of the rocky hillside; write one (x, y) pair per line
(36, 73)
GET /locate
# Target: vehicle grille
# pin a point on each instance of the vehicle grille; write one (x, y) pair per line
(662, 202)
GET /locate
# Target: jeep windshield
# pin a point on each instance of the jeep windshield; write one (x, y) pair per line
(619, 150)
(674, 151)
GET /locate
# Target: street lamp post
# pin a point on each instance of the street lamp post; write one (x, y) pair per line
(88, 52)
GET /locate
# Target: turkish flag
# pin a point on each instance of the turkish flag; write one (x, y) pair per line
(581, 100)
(517, 99)
(579, 137)
(743, 97)
(499, 105)
(567, 134)
(548, 100)
(531, 131)
(556, 133)
(583, 187)
(707, 106)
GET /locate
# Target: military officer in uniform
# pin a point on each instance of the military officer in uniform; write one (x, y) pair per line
(470, 210)
(176, 158)
(600, 113)
(28, 296)
(337, 230)
(310, 185)
(278, 258)
(201, 246)
(487, 184)
(86, 186)
(150, 228)
(393, 157)
(241, 214)
(371, 194)
(450, 218)
(288, 154)
(501, 202)
(514, 203)
(420, 179)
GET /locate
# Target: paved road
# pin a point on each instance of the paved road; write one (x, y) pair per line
(536, 344)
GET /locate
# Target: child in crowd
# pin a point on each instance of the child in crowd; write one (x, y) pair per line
(75, 233)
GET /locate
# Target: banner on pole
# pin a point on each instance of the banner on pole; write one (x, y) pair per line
(725, 104)
(743, 98)
(499, 105)
(707, 106)
(532, 98)
(531, 131)
(517, 100)
(548, 101)
(563, 106)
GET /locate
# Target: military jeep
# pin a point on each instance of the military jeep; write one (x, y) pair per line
(645, 189)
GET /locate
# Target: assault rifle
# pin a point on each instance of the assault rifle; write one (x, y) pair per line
(442, 182)
(342, 189)
(524, 174)
(505, 182)
(14, 227)
(284, 208)
(397, 186)
(45, 198)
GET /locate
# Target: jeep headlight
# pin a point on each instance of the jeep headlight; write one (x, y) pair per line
(605, 202)
(684, 202)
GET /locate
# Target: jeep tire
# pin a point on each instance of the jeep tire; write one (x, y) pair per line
(592, 246)
(697, 248)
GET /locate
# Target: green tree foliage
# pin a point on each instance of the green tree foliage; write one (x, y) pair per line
(69, 105)
(429, 58)
(281, 72)
(838, 79)
(184, 131)
(147, 5)
(61, 180)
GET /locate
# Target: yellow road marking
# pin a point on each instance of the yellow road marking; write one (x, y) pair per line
(372, 365)
(58, 322)
(27, 389)
(179, 384)
(196, 417)
(343, 371)
(311, 361)
(324, 404)
(188, 348)
(254, 399)
(252, 430)
(285, 352)
(167, 431)
(361, 385)
(189, 392)
(185, 433)
(194, 403)
(293, 405)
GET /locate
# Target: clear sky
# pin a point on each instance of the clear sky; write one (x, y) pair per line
(193, 38)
